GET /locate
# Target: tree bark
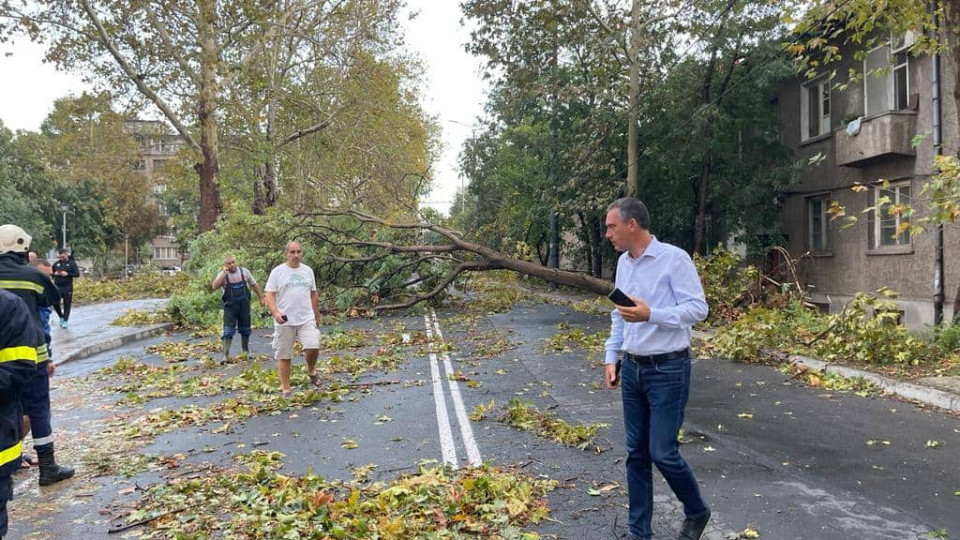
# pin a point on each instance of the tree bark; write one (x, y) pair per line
(588, 244)
(633, 115)
(702, 192)
(209, 167)
(596, 244)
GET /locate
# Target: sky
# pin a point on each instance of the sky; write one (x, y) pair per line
(453, 91)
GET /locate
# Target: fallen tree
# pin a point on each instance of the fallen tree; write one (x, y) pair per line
(430, 254)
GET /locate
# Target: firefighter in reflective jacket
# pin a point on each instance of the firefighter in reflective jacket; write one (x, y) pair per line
(19, 340)
(36, 290)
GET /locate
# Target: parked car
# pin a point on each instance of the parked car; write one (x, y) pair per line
(170, 270)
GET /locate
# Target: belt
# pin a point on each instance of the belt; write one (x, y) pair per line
(657, 358)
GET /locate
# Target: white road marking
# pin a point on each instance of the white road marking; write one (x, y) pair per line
(466, 431)
(447, 447)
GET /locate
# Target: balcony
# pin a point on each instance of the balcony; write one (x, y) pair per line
(884, 136)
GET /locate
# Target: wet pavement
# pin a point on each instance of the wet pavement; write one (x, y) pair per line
(790, 461)
(90, 329)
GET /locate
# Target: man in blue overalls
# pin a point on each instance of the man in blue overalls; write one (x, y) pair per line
(236, 283)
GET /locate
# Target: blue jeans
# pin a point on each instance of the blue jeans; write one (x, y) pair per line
(654, 396)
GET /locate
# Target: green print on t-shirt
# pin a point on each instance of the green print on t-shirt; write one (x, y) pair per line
(298, 281)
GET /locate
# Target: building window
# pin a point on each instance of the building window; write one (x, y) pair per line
(889, 225)
(817, 223)
(901, 82)
(164, 253)
(139, 165)
(815, 108)
(886, 72)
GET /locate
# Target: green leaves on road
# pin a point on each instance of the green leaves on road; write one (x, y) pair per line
(525, 416)
(483, 502)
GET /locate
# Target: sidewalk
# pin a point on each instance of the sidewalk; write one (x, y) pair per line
(90, 331)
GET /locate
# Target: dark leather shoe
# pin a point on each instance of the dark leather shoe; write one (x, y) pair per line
(693, 526)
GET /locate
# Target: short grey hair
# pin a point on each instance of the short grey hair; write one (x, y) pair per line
(286, 249)
(631, 208)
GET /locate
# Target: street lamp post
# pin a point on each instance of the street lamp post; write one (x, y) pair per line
(64, 208)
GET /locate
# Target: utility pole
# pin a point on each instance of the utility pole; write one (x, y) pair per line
(553, 250)
(938, 273)
(64, 208)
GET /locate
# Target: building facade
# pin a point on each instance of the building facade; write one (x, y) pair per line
(861, 142)
(158, 147)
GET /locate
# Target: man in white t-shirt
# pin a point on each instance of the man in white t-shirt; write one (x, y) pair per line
(293, 302)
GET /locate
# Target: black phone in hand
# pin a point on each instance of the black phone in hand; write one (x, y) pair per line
(620, 299)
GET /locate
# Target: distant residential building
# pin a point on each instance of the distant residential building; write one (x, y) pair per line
(158, 147)
(867, 132)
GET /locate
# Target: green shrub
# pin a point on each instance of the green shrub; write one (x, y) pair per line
(863, 332)
(724, 281)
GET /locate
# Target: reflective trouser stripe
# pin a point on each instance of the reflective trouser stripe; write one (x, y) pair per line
(43, 440)
(12, 354)
(10, 454)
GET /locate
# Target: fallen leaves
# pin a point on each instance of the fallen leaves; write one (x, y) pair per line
(525, 416)
(482, 502)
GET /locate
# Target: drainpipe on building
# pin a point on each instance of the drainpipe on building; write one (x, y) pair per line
(938, 287)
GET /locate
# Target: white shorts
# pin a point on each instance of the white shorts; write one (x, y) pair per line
(285, 336)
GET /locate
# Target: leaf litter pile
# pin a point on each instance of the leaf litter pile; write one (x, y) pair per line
(524, 416)
(259, 502)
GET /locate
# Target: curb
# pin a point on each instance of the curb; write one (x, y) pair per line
(90, 350)
(910, 391)
(913, 392)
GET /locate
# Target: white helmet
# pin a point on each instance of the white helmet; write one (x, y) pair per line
(13, 238)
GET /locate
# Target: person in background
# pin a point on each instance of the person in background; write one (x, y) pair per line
(236, 283)
(294, 303)
(38, 391)
(65, 270)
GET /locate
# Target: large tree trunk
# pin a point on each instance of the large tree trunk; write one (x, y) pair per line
(596, 244)
(633, 115)
(588, 244)
(702, 191)
(264, 188)
(209, 168)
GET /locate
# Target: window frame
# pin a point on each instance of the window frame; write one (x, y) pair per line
(824, 95)
(878, 215)
(889, 78)
(824, 200)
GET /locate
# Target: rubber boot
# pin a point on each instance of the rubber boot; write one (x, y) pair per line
(226, 348)
(245, 343)
(50, 472)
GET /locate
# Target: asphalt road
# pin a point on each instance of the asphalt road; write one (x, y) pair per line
(793, 462)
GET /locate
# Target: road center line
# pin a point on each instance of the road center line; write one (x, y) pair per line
(447, 448)
(466, 431)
